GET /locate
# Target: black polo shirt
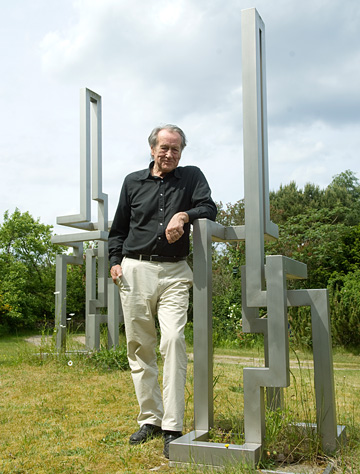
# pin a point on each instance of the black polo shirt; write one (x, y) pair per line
(146, 205)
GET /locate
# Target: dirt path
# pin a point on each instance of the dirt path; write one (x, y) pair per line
(37, 340)
(259, 362)
(243, 361)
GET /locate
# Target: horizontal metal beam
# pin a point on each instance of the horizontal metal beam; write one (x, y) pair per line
(68, 239)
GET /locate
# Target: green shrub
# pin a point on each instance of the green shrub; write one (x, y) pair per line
(345, 308)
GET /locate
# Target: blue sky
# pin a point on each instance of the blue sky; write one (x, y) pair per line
(178, 62)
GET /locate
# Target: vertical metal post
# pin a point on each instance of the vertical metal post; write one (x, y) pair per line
(278, 336)
(60, 301)
(254, 146)
(323, 369)
(85, 155)
(60, 291)
(256, 180)
(115, 315)
(92, 328)
(203, 363)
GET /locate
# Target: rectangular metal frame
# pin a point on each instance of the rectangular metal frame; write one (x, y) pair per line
(90, 189)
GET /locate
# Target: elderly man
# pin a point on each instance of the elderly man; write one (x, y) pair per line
(148, 246)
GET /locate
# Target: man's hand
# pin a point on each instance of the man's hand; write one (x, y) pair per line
(116, 273)
(175, 228)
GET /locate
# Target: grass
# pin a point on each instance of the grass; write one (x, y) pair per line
(57, 417)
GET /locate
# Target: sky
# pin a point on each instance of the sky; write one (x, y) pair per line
(171, 61)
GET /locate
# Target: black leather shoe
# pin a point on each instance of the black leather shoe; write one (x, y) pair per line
(168, 437)
(145, 433)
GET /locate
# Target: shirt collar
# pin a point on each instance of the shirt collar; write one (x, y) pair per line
(146, 173)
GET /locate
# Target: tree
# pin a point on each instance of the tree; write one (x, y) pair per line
(27, 270)
(343, 195)
(319, 227)
(345, 304)
(314, 238)
(27, 274)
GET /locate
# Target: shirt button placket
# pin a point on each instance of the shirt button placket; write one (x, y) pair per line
(161, 209)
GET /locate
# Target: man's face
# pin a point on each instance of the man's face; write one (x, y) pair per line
(166, 152)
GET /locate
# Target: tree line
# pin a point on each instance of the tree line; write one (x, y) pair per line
(319, 227)
(27, 275)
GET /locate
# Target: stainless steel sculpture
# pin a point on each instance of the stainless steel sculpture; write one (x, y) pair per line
(263, 285)
(100, 290)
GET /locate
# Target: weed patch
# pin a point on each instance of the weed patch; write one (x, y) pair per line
(110, 359)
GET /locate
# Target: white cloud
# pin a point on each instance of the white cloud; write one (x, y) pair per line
(179, 62)
(313, 153)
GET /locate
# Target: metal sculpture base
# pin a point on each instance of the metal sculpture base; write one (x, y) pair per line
(195, 448)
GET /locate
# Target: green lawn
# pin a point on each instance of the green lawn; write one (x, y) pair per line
(58, 416)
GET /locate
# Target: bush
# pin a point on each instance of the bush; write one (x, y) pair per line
(345, 308)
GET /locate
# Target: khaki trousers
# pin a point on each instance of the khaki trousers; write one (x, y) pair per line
(148, 289)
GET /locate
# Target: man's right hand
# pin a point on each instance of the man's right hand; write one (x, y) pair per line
(116, 273)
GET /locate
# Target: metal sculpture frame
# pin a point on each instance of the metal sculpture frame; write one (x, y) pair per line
(264, 284)
(100, 290)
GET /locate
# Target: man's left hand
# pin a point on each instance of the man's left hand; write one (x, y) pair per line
(175, 228)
